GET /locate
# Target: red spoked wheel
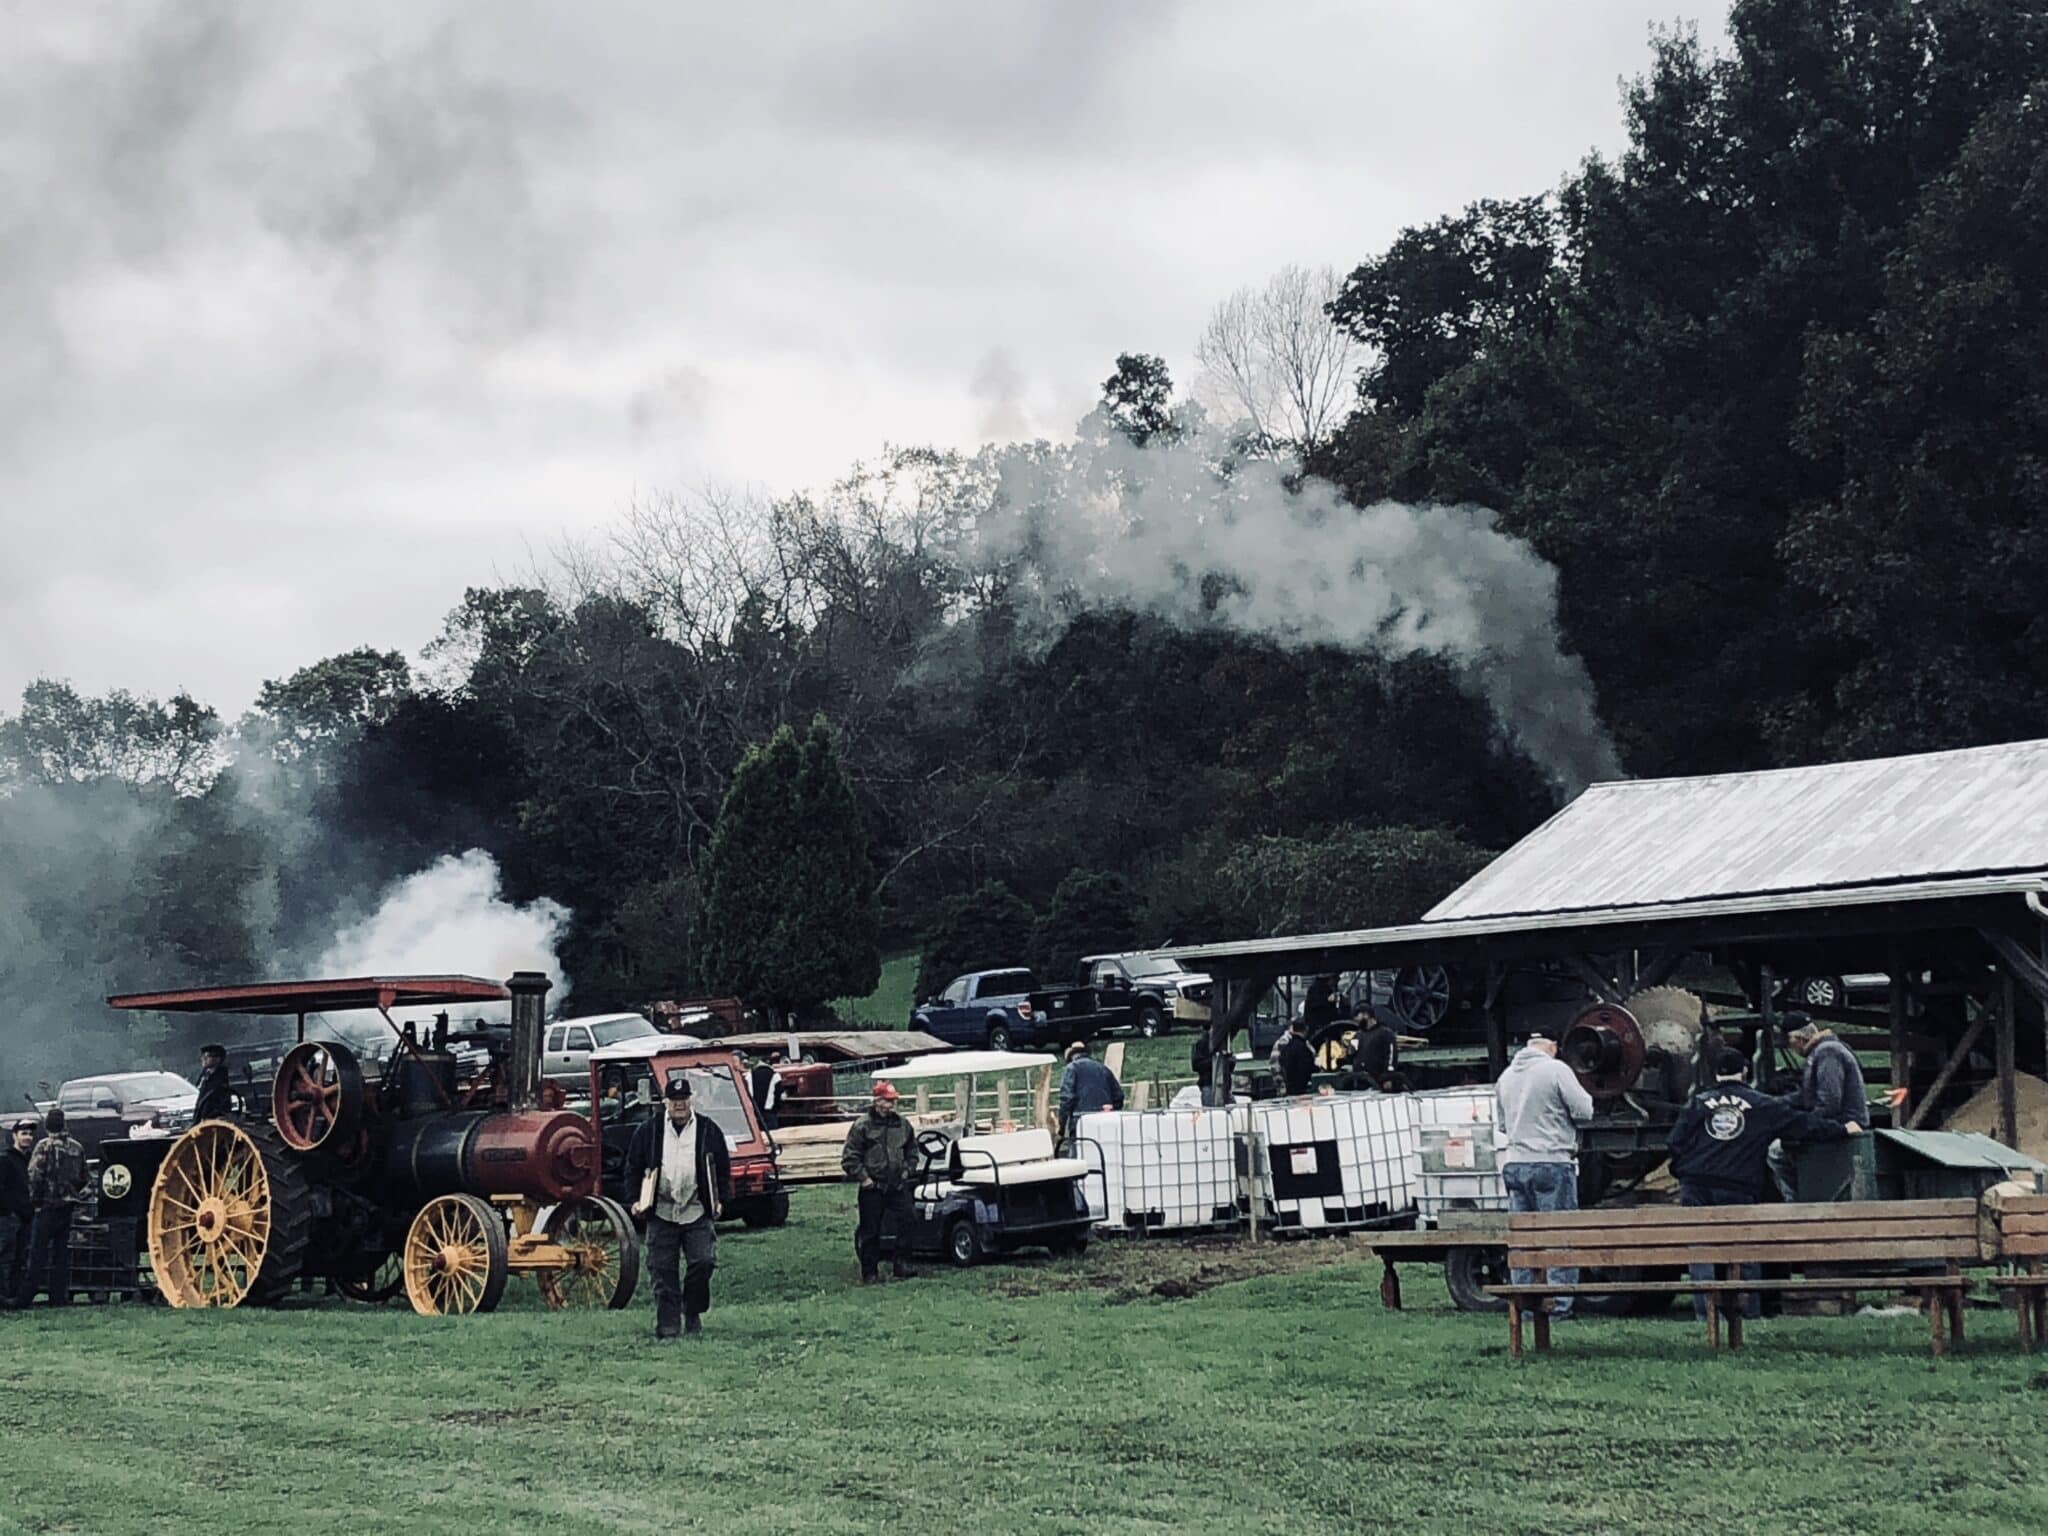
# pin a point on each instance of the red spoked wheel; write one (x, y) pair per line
(316, 1099)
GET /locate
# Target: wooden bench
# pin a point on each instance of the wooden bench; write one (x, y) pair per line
(2022, 1239)
(1864, 1236)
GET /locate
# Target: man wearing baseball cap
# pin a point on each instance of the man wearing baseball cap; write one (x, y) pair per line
(15, 1208)
(881, 1154)
(681, 1170)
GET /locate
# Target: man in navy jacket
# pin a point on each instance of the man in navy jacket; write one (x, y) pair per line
(1722, 1142)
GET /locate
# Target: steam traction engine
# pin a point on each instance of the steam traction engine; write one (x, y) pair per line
(441, 1176)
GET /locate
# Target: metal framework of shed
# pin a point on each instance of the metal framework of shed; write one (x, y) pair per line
(1929, 868)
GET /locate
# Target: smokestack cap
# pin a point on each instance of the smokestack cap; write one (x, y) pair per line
(528, 981)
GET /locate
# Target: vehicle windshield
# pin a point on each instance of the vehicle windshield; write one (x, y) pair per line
(713, 1089)
(611, 1031)
(156, 1085)
(1151, 965)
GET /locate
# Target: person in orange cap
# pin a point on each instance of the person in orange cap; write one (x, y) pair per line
(881, 1154)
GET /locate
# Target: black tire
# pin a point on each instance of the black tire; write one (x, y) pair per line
(374, 1282)
(1813, 992)
(998, 1038)
(1071, 1246)
(963, 1243)
(291, 1219)
(1151, 1021)
(1467, 1273)
(768, 1211)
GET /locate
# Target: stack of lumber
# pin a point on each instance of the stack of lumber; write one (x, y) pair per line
(809, 1154)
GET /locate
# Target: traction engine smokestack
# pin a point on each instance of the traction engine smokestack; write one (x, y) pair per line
(529, 991)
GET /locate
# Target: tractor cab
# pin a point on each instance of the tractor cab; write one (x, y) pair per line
(627, 1080)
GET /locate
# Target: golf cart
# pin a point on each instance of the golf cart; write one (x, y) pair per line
(980, 1194)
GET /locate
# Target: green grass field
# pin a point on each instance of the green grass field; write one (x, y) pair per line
(889, 1005)
(1028, 1397)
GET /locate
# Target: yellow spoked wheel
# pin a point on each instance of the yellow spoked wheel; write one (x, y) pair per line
(600, 1235)
(228, 1218)
(456, 1257)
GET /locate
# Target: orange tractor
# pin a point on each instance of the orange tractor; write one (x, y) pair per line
(441, 1171)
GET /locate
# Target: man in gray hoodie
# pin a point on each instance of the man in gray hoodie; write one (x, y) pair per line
(1542, 1107)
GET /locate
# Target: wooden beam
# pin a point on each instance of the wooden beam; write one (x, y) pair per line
(1949, 1068)
(1662, 967)
(1602, 984)
(2020, 961)
(2008, 1104)
(1496, 1023)
(1902, 1058)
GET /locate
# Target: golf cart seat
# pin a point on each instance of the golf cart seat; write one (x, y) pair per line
(1002, 1160)
(1013, 1157)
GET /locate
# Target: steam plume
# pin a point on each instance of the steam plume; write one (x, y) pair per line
(1175, 530)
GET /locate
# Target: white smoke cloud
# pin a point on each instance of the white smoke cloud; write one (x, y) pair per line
(1175, 530)
(452, 919)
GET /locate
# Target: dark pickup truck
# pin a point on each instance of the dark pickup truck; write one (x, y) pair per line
(1000, 1009)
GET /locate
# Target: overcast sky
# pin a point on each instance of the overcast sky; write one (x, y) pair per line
(310, 320)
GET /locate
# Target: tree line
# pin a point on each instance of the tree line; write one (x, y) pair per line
(1767, 389)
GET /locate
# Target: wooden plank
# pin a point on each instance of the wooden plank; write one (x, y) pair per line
(2024, 1244)
(1739, 1253)
(1684, 1287)
(2025, 1205)
(2010, 1221)
(1113, 1058)
(1709, 1215)
(1949, 1229)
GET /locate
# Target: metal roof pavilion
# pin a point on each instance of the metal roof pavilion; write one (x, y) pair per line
(1652, 842)
(1738, 856)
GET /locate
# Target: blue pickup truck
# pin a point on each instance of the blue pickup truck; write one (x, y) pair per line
(986, 1008)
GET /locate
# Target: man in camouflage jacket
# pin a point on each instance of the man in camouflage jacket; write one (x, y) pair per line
(56, 1185)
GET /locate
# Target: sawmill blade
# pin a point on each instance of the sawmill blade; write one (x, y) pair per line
(1671, 1019)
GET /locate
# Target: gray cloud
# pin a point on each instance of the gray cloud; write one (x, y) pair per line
(310, 317)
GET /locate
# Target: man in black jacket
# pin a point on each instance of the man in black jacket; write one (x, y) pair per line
(679, 1170)
(1376, 1055)
(56, 1186)
(1294, 1059)
(881, 1155)
(1721, 1144)
(15, 1208)
(213, 1102)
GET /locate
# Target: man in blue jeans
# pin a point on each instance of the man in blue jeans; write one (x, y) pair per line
(1721, 1143)
(1542, 1106)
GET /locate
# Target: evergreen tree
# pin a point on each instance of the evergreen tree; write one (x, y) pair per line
(1091, 914)
(985, 930)
(789, 915)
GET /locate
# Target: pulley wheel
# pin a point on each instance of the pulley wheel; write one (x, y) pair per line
(316, 1099)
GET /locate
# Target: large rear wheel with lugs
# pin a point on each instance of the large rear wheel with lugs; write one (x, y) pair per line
(456, 1257)
(229, 1218)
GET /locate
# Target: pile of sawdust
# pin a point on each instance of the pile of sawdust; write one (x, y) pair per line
(2030, 1097)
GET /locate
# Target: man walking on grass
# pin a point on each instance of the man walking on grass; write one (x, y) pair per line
(682, 1168)
(1542, 1107)
(881, 1155)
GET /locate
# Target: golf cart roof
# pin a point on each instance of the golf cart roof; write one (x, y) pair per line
(340, 996)
(646, 1047)
(964, 1064)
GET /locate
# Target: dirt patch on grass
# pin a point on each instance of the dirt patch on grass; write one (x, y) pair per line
(1171, 1269)
(488, 1417)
